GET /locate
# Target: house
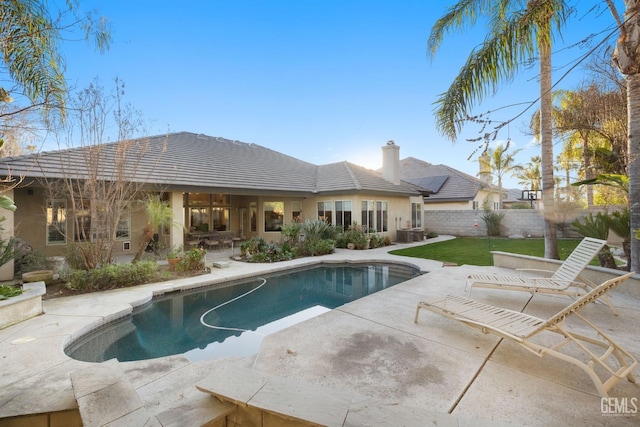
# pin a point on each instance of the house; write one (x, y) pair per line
(449, 188)
(211, 183)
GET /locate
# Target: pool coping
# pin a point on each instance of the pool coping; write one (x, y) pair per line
(38, 381)
(198, 282)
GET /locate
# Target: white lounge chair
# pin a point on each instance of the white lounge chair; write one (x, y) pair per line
(566, 280)
(521, 328)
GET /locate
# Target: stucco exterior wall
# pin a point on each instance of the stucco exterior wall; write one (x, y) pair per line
(31, 226)
(6, 270)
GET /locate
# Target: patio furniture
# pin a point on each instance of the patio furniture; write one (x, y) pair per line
(566, 280)
(227, 238)
(522, 328)
(193, 240)
(212, 240)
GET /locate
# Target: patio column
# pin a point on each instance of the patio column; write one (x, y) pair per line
(176, 200)
(6, 271)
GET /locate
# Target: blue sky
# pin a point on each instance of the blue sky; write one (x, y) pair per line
(322, 81)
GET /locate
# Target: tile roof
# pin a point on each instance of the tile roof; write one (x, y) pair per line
(188, 161)
(458, 186)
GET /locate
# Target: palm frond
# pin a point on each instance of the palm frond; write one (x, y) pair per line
(512, 41)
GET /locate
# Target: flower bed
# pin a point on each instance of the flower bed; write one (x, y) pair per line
(24, 306)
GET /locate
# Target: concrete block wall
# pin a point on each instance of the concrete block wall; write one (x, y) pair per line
(528, 222)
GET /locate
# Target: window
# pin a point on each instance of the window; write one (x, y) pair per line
(253, 214)
(475, 205)
(273, 216)
(82, 223)
(382, 216)
(220, 217)
(123, 229)
(416, 215)
(343, 213)
(296, 211)
(56, 222)
(206, 211)
(199, 219)
(368, 214)
(375, 216)
(220, 199)
(325, 212)
(199, 199)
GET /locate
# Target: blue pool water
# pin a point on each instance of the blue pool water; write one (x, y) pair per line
(232, 319)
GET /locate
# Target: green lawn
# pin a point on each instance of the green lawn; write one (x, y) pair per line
(476, 251)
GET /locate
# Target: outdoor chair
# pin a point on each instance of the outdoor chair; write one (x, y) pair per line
(523, 328)
(212, 240)
(566, 280)
(227, 238)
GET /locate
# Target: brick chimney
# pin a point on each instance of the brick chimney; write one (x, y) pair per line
(391, 162)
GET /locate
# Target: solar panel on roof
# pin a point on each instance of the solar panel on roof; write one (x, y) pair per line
(431, 183)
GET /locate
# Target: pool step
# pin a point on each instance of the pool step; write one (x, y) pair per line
(106, 397)
(263, 399)
(199, 410)
(271, 401)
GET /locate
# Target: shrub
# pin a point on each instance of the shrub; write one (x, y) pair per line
(192, 260)
(7, 248)
(341, 240)
(597, 227)
(376, 241)
(257, 250)
(111, 276)
(32, 261)
(7, 291)
(73, 256)
(332, 232)
(492, 220)
(320, 247)
(256, 244)
(314, 230)
(270, 252)
(593, 226)
(355, 234)
(292, 232)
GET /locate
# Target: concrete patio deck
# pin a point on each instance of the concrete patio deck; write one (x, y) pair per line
(433, 372)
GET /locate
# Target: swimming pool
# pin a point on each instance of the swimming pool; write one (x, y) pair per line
(232, 319)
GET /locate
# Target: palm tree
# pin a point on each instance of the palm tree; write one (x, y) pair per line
(515, 35)
(627, 58)
(159, 214)
(530, 175)
(29, 38)
(501, 163)
(593, 119)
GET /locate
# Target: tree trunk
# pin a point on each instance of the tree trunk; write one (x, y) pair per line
(633, 103)
(626, 247)
(146, 238)
(546, 147)
(605, 257)
(627, 58)
(588, 173)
